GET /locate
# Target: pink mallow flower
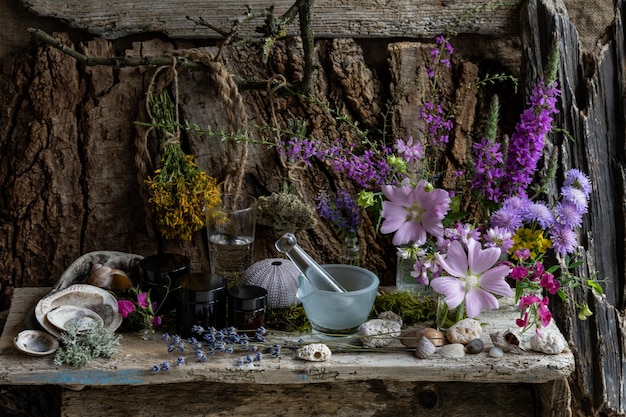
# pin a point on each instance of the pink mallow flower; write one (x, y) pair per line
(474, 276)
(413, 212)
(125, 307)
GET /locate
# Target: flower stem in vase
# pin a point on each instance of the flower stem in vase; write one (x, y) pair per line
(351, 254)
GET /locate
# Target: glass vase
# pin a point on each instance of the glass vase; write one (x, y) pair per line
(404, 280)
(351, 253)
(147, 332)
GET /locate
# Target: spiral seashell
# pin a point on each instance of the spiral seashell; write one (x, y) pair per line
(424, 348)
(120, 280)
(100, 276)
(279, 277)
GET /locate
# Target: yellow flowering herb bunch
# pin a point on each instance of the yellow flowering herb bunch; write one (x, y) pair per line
(179, 192)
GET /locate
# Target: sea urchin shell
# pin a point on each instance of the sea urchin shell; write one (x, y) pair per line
(279, 277)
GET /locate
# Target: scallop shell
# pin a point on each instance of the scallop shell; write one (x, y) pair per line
(424, 348)
(279, 277)
(81, 295)
(62, 316)
(35, 343)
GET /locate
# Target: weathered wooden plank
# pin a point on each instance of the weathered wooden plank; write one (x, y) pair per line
(350, 399)
(331, 18)
(133, 364)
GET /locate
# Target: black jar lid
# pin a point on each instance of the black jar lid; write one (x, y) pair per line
(247, 297)
(157, 268)
(202, 287)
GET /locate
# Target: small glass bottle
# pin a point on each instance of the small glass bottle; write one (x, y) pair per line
(246, 308)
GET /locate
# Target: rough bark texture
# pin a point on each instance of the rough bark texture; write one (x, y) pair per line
(592, 110)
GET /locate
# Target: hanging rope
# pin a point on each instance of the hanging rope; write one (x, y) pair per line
(228, 93)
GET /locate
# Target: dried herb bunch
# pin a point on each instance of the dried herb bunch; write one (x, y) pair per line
(179, 191)
(78, 348)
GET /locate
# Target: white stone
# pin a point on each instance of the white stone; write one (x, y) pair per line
(378, 332)
(548, 343)
(496, 352)
(315, 352)
(464, 331)
(452, 351)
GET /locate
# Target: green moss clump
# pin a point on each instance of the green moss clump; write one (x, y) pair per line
(289, 319)
(412, 308)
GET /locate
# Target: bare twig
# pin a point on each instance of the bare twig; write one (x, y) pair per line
(274, 29)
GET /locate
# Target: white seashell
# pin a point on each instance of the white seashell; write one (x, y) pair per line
(379, 333)
(279, 277)
(424, 348)
(35, 343)
(547, 342)
(464, 331)
(452, 351)
(62, 316)
(81, 295)
(390, 315)
(507, 340)
(315, 352)
(100, 276)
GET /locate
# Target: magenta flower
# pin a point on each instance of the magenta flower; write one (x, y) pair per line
(142, 299)
(474, 277)
(413, 212)
(125, 307)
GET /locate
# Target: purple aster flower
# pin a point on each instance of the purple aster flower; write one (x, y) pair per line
(564, 239)
(408, 151)
(567, 214)
(578, 179)
(540, 213)
(526, 146)
(507, 218)
(576, 197)
(473, 277)
(413, 212)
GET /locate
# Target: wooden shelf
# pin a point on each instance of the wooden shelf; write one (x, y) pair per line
(136, 357)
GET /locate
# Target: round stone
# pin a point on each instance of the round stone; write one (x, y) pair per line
(475, 346)
(452, 351)
(495, 352)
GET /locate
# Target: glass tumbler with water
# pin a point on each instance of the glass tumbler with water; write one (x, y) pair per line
(230, 228)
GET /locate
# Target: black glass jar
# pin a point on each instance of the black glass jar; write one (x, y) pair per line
(202, 302)
(246, 308)
(159, 274)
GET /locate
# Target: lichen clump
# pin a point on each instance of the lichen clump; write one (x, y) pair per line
(285, 212)
(79, 348)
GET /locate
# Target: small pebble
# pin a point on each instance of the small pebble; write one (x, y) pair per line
(475, 346)
(495, 352)
(452, 351)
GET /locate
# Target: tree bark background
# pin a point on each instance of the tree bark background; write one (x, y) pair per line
(68, 141)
